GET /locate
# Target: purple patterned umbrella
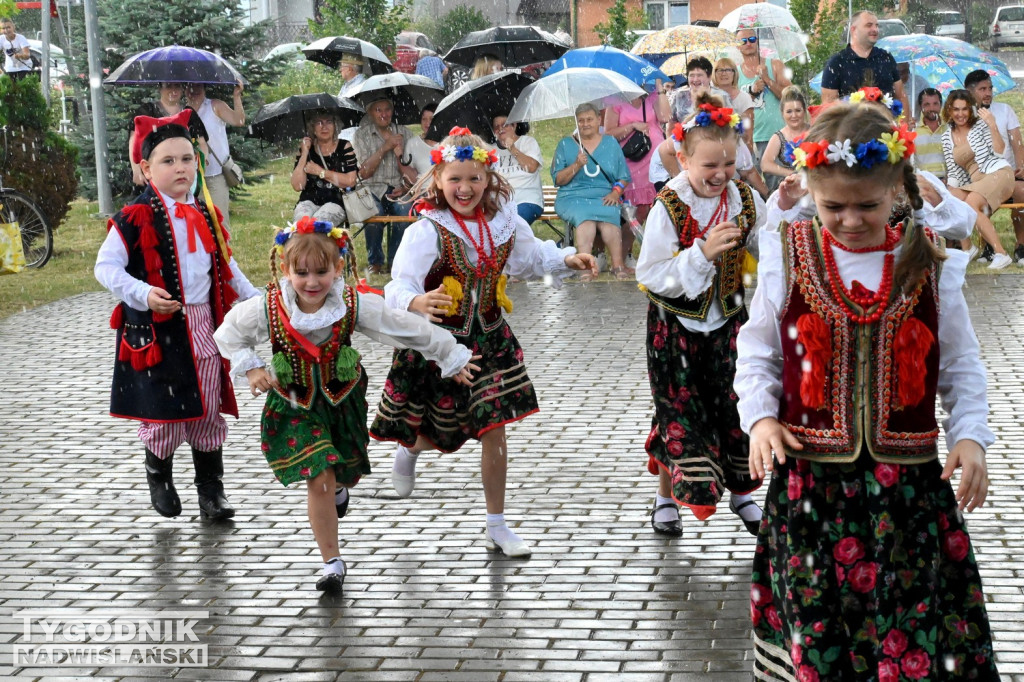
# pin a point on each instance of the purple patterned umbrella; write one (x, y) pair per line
(175, 64)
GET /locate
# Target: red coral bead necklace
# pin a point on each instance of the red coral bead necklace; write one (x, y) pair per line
(486, 259)
(860, 296)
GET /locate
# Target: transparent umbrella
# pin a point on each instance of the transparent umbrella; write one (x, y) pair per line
(558, 95)
(778, 33)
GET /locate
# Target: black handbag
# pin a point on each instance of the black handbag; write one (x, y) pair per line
(638, 145)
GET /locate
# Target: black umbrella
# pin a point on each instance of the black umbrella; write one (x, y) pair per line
(475, 103)
(408, 93)
(175, 64)
(513, 45)
(329, 51)
(286, 119)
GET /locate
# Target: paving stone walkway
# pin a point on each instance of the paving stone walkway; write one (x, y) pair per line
(603, 598)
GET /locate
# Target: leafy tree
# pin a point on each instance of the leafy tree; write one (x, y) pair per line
(618, 30)
(449, 28)
(375, 21)
(128, 27)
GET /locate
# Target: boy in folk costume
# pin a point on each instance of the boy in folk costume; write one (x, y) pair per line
(176, 280)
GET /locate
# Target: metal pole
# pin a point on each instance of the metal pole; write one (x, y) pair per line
(44, 76)
(99, 113)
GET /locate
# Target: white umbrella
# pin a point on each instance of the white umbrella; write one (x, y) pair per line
(776, 28)
(558, 95)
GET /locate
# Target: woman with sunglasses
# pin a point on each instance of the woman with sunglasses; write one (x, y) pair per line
(764, 80)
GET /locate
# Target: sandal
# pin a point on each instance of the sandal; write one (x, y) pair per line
(622, 274)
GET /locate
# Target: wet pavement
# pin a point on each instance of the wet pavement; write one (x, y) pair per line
(603, 597)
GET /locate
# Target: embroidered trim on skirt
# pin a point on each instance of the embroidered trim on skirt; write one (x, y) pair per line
(418, 402)
(299, 444)
(864, 571)
(695, 432)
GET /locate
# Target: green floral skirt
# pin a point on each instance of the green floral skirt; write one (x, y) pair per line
(299, 444)
(418, 402)
(864, 571)
(695, 433)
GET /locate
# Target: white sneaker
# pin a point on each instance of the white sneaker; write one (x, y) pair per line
(602, 262)
(631, 262)
(1000, 261)
(512, 548)
(972, 253)
(402, 483)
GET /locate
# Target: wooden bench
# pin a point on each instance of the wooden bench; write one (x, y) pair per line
(547, 216)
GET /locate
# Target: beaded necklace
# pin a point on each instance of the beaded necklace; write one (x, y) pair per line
(485, 261)
(298, 345)
(720, 213)
(858, 294)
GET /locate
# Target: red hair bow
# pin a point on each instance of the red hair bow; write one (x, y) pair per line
(457, 131)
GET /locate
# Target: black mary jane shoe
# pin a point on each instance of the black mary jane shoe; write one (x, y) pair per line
(333, 583)
(342, 508)
(753, 527)
(673, 528)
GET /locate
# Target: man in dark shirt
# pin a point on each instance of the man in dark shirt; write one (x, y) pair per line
(862, 64)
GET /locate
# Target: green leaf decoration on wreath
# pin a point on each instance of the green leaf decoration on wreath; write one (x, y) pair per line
(345, 367)
(282, 369)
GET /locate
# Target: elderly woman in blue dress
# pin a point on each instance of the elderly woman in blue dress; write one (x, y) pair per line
(591, 175)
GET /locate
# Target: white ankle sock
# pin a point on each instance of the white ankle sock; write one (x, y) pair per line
(335, 565)
(749, 513)
(405, 462)
(668, 514)
(498, 531)
(340, 495)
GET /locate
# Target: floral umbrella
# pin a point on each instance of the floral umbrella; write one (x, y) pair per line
(685, 39)
(778, 33)
(676, 65)
(942, 62)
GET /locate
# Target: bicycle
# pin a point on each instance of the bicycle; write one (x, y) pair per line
(15, 207)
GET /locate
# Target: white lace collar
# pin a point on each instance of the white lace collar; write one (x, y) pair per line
(681, 185)
(331, 311)
(503, 225)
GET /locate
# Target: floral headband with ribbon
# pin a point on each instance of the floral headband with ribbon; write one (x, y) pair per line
(707, 116)
(446, 153)
(306, 225)
(892, 147)
(872, 94)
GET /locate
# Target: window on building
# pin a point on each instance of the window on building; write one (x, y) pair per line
(666, 13)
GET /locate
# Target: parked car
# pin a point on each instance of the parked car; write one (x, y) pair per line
(949, 23)
(1007, 27)
(290, 52)
(58, 65)
(409, 47)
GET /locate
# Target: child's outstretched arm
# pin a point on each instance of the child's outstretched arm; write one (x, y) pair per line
(534, 258)
(244, 327)
(962, 387)
(404, 329)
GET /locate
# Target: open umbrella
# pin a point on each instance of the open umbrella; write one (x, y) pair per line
(660, 45)
(476, 103)
(175, 64)
(286, 118)
(778, 33)
(676, 64)
(636, 69)
(408, 93)
(513, 45)
(329, 51)
(942, 62)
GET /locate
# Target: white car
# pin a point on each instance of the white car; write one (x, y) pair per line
(949, 24)
(1007, 27)
(290, 52)
(58, 65)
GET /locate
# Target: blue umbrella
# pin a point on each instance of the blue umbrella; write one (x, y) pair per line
(942, 62)
(175, 64)
(636, 69)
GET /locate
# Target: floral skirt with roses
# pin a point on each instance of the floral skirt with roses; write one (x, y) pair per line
(695, 433)
(864, 571)
(418, 402)
(299, 444)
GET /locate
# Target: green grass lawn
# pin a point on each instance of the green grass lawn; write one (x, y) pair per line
(254, 213)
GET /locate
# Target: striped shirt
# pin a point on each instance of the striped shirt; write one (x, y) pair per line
(928, 154)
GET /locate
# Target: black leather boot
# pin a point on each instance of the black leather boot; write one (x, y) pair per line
(161, 485)
(209, 471)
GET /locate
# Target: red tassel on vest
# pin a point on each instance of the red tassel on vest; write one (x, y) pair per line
(814, 335)
(913, 342)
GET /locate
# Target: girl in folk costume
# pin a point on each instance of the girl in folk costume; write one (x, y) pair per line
(176, 280)
(863, 569)
(690, 266)
(314, 422)
(451, 268)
